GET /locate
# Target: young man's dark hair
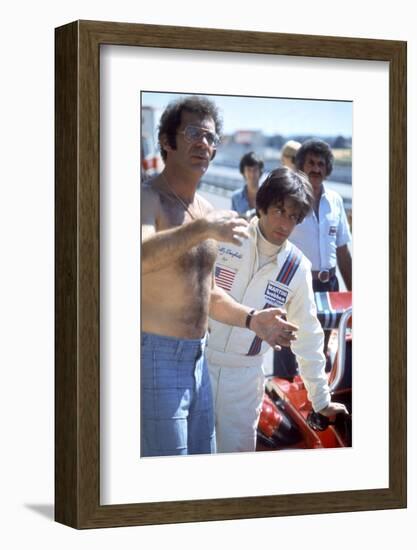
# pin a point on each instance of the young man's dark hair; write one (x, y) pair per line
(315, 147)
(171, 118)
(251, 159)
(284, 183)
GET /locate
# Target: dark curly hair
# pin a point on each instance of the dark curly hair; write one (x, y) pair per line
(284, 183)
(171, 118)
(315, 147)
(251, 159)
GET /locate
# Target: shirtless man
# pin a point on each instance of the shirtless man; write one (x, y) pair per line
(180, 231)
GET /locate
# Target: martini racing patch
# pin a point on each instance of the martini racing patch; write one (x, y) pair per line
(275, 294)
(332, 230)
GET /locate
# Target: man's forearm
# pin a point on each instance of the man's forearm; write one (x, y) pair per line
(162, 248)
(268, 323)
(224, 309)
(344, 260)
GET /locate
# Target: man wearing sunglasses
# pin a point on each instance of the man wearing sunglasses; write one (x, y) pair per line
(180, 231)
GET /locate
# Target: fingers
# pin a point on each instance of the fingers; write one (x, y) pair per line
(287, 337)
(279, 340)
(285, 340)
(239, 235)
(273, 329)
(240, 222)
(333, 409)
(233, 231)
(278, 311)
(225, 225)
(286, 326)
(224, 216)
(342, 409)
(279, 315)
(235, 237)
(231, 213)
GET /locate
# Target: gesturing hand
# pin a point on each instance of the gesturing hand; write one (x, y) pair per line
(270, 325)
(226, 226)
(333, 409)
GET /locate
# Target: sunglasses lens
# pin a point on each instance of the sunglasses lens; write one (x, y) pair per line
(192, 133)
(210, 138)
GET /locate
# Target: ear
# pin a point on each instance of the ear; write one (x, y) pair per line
(261, 221)
(165, 143)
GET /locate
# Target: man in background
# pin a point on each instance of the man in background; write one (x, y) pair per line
(324, 235)
(244, 200)
(288, 152)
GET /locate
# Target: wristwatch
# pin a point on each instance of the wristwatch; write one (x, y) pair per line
(249, 318)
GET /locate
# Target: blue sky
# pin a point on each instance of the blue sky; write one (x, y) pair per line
(275, 115)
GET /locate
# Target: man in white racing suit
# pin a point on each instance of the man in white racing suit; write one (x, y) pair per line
(267, 271)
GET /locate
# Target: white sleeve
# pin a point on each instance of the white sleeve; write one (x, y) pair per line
(308, 348)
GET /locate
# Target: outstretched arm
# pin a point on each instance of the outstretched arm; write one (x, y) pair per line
(268, 324)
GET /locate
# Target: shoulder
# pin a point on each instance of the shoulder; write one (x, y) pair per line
(333, 196)
(300, 259)
(151, 203)
(238, 192)
(150, 194)
(206, 206)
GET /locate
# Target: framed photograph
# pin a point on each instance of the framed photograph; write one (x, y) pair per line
(107, 76)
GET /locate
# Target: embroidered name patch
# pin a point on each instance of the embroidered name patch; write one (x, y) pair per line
(227, 252)
(275, 294)
(332, 230)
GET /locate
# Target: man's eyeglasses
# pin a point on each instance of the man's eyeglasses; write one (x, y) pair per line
(195, 133)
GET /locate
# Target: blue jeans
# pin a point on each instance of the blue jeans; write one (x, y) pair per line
(176, 401)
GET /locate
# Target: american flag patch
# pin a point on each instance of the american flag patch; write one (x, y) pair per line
(224, 277)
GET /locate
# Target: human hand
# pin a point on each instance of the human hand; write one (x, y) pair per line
(270, 325)
(226, 226)
(333, 409)
(249, 214)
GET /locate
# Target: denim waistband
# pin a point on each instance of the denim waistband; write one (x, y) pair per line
(175, 346)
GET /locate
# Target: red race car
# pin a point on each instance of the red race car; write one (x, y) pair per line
(287, 419)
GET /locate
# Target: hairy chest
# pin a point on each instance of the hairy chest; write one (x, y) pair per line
(199, 260)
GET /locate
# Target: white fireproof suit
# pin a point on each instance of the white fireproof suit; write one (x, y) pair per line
(235, 355)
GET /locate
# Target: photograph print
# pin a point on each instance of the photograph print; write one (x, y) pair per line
(246, 274)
